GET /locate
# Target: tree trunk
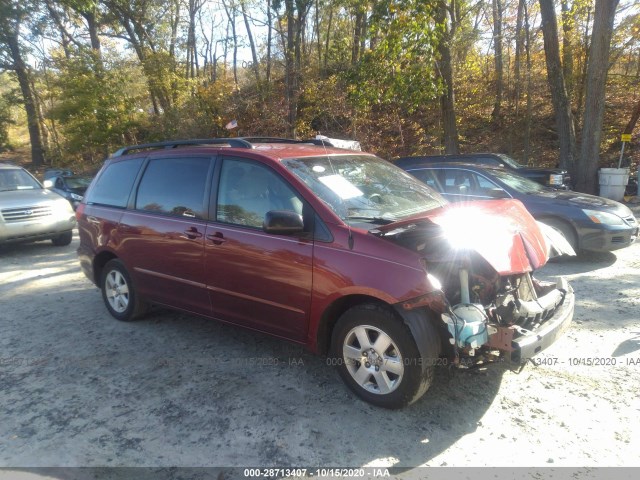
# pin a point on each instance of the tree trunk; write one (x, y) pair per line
(22, 72)
(555, 78)
(527, 48)
(497, 42)
(583, 74)
(567, 46)
(518, 57)
(269, 40)
(326, 42)
(316, 26)
(92, 26)
(254, 55)
(231, 15)
(357, 29)
(445, 72)
(634, 119)
(290, 74)
(605, 11)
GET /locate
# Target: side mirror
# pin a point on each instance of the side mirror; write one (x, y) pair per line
(282, 222)
(47, 184)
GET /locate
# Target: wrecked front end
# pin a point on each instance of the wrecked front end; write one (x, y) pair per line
(480, 258)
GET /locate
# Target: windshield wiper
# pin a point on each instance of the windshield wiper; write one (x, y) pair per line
(378, 220)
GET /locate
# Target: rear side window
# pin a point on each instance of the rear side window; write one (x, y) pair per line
(113, 186)
(174, 186)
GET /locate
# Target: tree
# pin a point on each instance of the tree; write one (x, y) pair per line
(497, 44)
(447, 20)
(555, 78)
(252, 43)
(633, 120)
(597, 68)
(12, 15)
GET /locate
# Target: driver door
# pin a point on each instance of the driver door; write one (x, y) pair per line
(258, 280)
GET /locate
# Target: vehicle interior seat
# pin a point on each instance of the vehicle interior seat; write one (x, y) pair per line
(461, 183)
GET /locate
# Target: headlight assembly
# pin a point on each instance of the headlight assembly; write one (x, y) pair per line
(435, 283)
(605, 218)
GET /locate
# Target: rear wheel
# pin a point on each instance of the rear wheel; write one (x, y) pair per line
(119, 294)
(378, 359)
(63, 239)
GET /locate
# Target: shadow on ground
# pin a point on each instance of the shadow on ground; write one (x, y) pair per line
(174, 389)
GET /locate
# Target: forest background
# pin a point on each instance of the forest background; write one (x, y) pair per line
(548, 82)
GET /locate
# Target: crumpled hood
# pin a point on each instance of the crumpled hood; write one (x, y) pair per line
(503, 232)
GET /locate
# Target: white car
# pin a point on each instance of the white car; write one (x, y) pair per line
(29, 212)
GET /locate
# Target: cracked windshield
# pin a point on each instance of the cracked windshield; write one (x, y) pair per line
(364, 187)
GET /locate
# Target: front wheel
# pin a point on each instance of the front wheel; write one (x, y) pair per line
(63, 239)
(378, 359)
(119, 294)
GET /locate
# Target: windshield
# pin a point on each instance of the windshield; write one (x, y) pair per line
(518, 183)
(364, 187)
(17, 179)
(77, 182)
(510, 161)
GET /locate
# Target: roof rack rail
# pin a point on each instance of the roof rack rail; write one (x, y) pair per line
(269, 140)
(232, 142)
(314, 141)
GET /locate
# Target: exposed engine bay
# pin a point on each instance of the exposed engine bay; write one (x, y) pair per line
(493, 307)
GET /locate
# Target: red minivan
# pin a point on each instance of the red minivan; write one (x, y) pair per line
(337, 250)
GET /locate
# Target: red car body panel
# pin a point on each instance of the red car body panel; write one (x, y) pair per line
(167, 254)
(502, 231)
(258, 280)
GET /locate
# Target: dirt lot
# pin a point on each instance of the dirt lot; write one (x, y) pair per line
(78, 388)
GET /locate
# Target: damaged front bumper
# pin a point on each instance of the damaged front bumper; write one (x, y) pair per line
(531, 342)
(479, 335)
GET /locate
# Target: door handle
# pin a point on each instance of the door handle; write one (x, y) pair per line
(216, 238)
(191, 233)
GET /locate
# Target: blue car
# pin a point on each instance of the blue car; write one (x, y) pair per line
(587, 222)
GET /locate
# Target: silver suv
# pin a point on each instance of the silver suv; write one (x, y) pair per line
(29, 212)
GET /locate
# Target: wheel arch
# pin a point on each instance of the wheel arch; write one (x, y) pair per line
(334, 311)
(564, 221)
(99, 261)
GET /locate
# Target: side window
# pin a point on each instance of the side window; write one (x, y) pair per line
(113, 186)
(485, 184)
(456, 181)
(174, 186)
(429, 177)
(248, 190)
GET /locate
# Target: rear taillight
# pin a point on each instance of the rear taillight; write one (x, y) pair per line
(79, 211)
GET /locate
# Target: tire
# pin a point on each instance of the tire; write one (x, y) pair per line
(63, 239)
(119, 294)
(564, 229)
(402, 376)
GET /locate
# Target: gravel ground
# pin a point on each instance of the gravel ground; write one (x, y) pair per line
(78, 388)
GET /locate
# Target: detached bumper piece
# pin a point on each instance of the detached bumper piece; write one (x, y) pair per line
(549, 316)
